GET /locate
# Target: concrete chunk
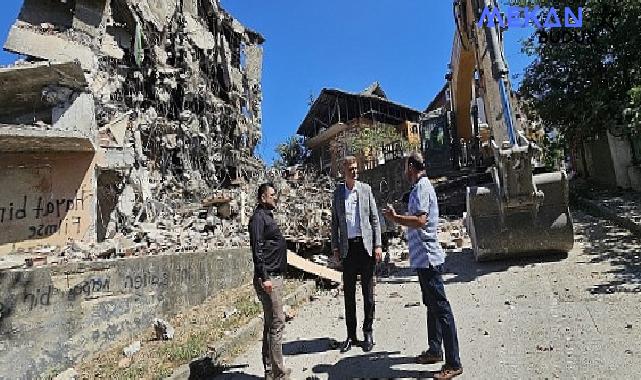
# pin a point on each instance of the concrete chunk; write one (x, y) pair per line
(198, 33)
(130, 350)
(164, 331)
(49, 47)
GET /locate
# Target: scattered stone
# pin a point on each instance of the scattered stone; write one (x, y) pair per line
(544, 348)
(229, 313)
(164, 331)
(68, 374)
(289, 313)
(124, 362)
(130, 350)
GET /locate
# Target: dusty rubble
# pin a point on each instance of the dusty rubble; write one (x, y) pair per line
(305, 200)
(177, 93)
(172, 98)
(218, 222)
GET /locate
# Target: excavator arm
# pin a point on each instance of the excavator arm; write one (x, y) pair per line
(519, 213)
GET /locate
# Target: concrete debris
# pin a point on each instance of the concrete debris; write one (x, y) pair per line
(290, 313)
(452, 233)
(230, 313)
(130, 350)
(164, 331)
(68, 374)
(124, 362)
(544, 348)
(168, 98)
(304, 201)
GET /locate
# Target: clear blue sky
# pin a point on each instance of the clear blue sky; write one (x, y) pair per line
(403, 44)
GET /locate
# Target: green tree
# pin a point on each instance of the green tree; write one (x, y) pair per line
(376, 137)
(291, 152)
(585, 88)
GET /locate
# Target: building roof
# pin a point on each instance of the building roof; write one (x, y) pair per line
(439, 98)
(335, 105)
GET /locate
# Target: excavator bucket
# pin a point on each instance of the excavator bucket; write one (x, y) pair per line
(498, 231)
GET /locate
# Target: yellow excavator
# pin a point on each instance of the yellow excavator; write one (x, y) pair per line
(519, 213)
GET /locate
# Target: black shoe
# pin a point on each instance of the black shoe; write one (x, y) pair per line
(347, 344)
(368, 342)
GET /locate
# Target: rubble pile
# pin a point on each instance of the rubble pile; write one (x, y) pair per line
(305, 200)
(452, 233)
(219, 221)
(176, 87)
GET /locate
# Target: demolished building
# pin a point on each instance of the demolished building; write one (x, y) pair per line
(122, 112)
(367, 125)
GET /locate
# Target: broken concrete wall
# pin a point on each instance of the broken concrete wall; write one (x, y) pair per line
(52, 317)
(46, 199)
(176, 92)
(47, 157)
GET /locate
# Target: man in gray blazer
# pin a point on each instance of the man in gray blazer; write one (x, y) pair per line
(356, 242)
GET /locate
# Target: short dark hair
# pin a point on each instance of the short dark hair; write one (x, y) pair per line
(263, 188)
(416, 160)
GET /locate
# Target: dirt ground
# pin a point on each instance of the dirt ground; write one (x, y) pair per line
(195, 329)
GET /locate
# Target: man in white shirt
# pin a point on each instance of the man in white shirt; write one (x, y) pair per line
(356, 242)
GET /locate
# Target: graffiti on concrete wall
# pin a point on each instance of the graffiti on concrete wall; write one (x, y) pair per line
(38, 210)
(95, 286)
(31, 209)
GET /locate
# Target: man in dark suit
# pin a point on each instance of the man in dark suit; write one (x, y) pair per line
(356, 243)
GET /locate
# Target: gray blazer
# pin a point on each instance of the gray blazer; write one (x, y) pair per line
(370, 226)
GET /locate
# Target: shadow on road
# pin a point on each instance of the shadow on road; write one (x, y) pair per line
(606, 243)
(233, 376)
(312, 346)
(460, 266)
(399, 275)
(206, 368)
(374, 365)
(464, 268)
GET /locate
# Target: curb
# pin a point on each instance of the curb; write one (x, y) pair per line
(596, 209)
(227, 347)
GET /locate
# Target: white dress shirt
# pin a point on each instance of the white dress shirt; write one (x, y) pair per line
(352, 213)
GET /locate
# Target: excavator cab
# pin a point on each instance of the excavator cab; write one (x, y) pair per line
(519, 213)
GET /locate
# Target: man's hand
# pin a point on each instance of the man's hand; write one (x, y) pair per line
(378, 254)
(267, 285)
(390, 213)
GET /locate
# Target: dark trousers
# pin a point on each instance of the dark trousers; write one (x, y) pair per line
(358, 262)
(441, 328)
(274, 323)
